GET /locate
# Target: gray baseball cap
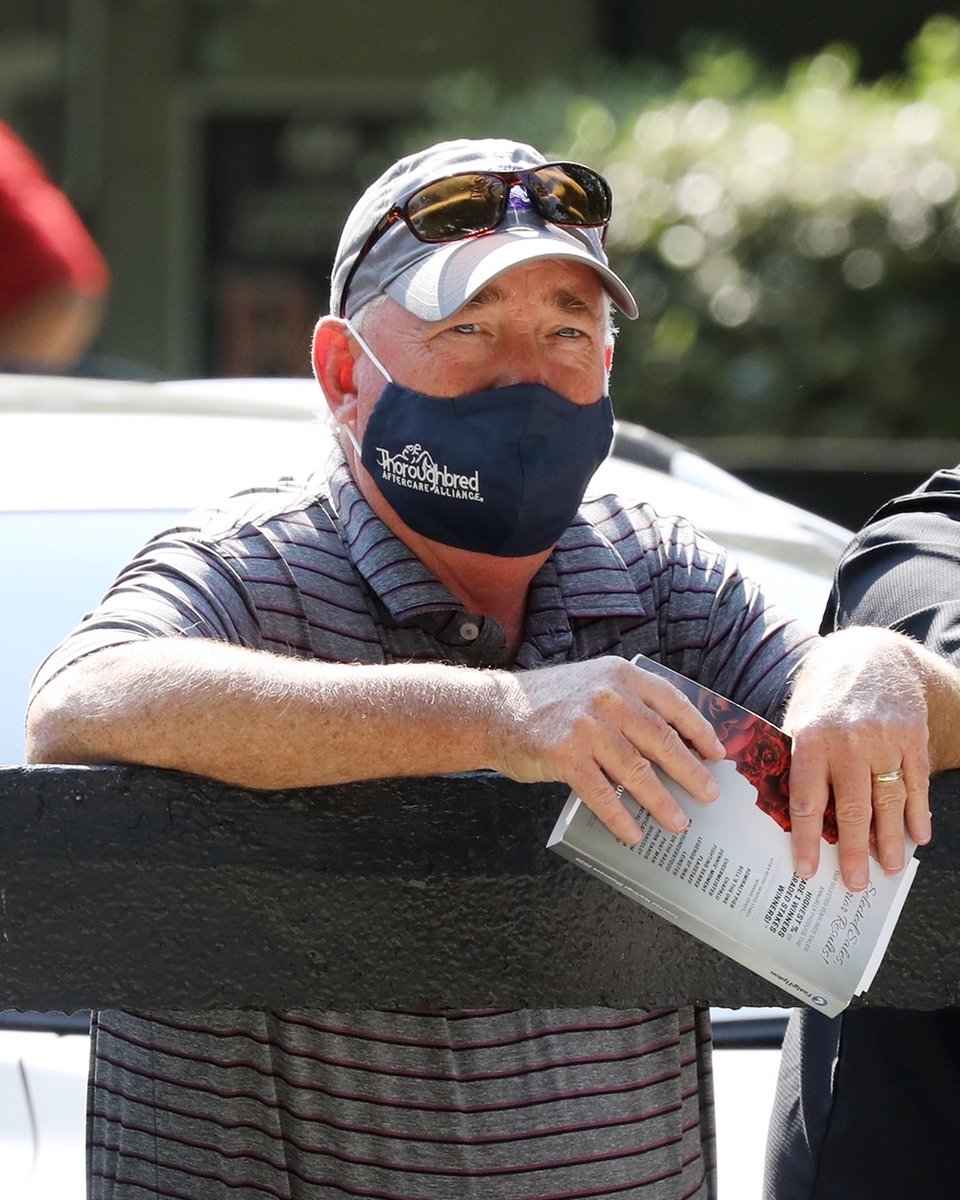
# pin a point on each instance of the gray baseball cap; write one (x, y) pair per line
(433, 280)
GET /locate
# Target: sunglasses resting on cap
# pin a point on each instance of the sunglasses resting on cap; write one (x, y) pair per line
(438, 225)
(476, 202)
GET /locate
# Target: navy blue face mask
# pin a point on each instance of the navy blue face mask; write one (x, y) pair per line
(500, 472)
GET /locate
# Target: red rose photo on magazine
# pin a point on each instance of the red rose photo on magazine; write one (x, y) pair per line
(761, 754)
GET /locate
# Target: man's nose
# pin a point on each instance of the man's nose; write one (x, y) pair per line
(521, 361)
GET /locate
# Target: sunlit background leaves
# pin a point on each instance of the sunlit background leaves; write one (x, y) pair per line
(793, 240)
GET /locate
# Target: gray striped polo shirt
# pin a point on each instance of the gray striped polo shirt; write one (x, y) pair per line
(503, 1105)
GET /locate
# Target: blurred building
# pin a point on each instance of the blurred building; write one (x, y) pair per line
(215, 146)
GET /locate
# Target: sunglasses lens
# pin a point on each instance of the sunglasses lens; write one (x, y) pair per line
(568, 194)
(457, 207)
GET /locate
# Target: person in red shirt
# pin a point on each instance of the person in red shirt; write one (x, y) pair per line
(53, 277)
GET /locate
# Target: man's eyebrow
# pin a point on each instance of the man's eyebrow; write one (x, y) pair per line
(489, 295)
(562, 299)
(570, 302)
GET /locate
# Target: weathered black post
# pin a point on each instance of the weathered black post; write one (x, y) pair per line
(133, 887)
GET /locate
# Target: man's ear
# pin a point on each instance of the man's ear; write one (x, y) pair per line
(608, 358)
(333, 365)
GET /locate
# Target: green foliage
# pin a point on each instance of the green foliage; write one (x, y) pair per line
(793, 243)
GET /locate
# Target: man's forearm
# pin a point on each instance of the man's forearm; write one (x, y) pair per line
(266, 721)
(258, 719)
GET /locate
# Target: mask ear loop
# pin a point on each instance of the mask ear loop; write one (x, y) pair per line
(368, 352)
(348, 429)
(380, 367)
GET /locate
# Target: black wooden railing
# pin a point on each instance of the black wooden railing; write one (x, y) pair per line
(144, 888)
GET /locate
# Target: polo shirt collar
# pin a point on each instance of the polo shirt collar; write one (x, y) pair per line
(585, 577)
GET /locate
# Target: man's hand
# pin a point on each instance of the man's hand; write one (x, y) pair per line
(859, 711)
(599, 724)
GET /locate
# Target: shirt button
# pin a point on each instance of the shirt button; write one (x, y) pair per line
(469, 631)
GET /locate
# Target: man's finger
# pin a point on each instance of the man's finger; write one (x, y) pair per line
(620, 762)
(649, 739)
(916, 778)
(600, 796)
(853, 797)
(678, 712)
(809, 792)
(889, 794)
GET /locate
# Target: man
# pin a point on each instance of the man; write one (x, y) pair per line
(437, 603)
(856, 1093)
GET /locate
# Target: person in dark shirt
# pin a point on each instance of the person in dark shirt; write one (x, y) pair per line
(857, 1094)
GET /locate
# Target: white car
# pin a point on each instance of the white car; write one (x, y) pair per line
(91, 468)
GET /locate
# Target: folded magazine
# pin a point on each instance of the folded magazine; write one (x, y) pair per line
(728, 879)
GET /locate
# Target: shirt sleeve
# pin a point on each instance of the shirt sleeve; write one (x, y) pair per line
(753, 649)
(177, 586)
(707, 620)
(902, 571)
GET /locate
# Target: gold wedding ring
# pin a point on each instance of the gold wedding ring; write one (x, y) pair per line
(889, 776)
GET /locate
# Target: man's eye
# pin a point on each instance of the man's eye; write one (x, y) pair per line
(466, 327)
(568, 331)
